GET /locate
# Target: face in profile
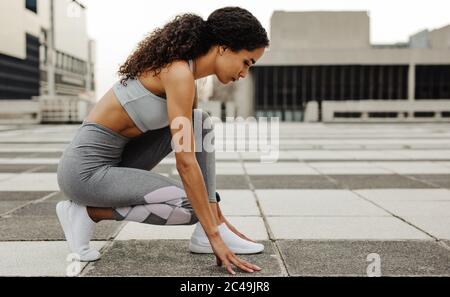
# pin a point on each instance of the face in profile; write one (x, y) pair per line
(232, 66)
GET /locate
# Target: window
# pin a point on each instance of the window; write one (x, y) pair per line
(31, 5)
(433, 81)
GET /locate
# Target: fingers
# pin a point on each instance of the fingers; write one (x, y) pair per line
(226, 257)
(229, 268)
(241, 264)
(244, 265)
(218, 261)
(252, 266)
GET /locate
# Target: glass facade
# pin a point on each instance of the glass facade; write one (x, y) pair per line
(285, 90)
(432, 82)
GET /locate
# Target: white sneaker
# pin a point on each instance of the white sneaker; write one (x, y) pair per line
(78, 228)
(199, 242)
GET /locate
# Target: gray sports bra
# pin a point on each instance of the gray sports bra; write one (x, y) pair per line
(147, 110)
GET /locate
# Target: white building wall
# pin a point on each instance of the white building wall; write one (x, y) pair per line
(12, 40)
(440, 38)
(243, 97)
(93, 50)
(71, 29)
(355, 56)
(44, 12)
(19, 21)
(320, 29)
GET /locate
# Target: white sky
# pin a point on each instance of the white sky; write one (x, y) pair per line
(118, 25)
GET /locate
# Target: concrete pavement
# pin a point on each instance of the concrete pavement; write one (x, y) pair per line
(343, 199)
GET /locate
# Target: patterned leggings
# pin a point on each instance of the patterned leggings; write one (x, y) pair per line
(101, 168)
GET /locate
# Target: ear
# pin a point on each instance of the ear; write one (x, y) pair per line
(222, 49)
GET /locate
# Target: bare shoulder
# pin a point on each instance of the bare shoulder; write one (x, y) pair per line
(178, 83)
(176, 72)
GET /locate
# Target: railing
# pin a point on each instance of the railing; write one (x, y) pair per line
(64, 109)
(14, 111)
(386, 111)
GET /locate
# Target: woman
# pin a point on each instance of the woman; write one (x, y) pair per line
(105, 170)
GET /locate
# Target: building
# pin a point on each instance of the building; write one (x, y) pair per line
(321, 66)
(45, 51)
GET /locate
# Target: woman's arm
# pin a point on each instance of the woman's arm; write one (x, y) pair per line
(179, 88)
(178, 83)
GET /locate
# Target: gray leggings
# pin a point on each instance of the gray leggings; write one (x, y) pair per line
(102, 168)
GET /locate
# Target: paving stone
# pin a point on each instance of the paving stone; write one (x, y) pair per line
(7, 206)
(30, 182)
(47, 168)
(16, 168)
(23, 196)
(345, 227)
(369, 181)
(353, 171)
(40, 258)
(171, 258)
(47, 155)
(430, 208)
(439, 180)
(403, 168)
(377, 195)
(163, 168)
(225, 181)
(252, 227)
(15, 154)
(286, 168)
(414, 167)
(437, 226)
(35, 227)
(315, 203)
(352, 258)
(28, 161)
(231, 182)
(291, 182)
(238, 203)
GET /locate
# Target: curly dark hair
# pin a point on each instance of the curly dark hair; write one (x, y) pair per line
(188, 36)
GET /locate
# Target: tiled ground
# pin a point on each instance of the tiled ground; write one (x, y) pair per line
(338, 195)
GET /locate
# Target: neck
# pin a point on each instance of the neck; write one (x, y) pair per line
(204, 65)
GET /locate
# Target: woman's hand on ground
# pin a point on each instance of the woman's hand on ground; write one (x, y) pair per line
(224, 256)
